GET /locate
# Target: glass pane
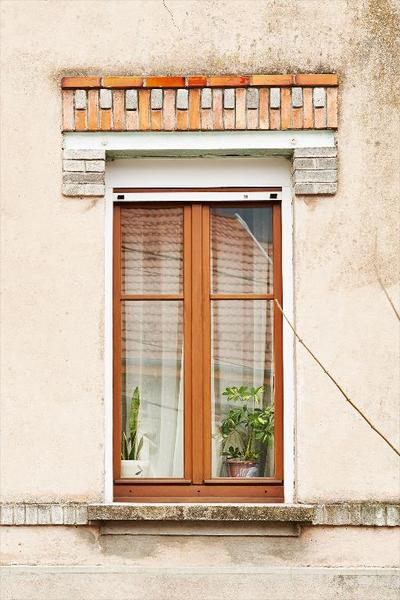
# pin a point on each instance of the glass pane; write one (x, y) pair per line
(241, 250)
(242, 389)
(152, 250)
(152, 389)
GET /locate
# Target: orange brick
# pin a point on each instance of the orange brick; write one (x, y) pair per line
(194, 109)
(229, 119)
(80, 120)
(93, 110)
(272, 80)
(131, 120)
(169, 110)
(206, 119)
(164, 82)
(156, 121)
(316, 79)
(182, 119)
(68, 110)
(264, 110)
(308, 113)
(319, 118)
(240, 108)
(285, 108)
(228, 81)
(122, 82)
(80, 82)
(275, 118)
(144, 110)
(252, 119)
(297, 118)
(332, 109)
(217, 110)
(105, 120)
(196, 81)
(119, 110)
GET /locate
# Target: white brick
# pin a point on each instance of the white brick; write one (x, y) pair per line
(19, 514)
(80, 99)
(7, 514)
(84, 154)
(156, 99)
(229, 98)
(95, 166)
(88, 189)
(57, 517)
(319, 97)
(182, 99)
(73, 165)
(392, 516)
(297, 97)
(315, 152)
(31, 514)
(69, 515)
(252, 98)
(81, 515)
(317, 176)
(83, 177)
(131, 99)
(105, 99)
(44, 514)
(275, 97)
(320, 189)
(206, 98)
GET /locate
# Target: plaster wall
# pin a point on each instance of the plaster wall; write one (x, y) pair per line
(52, 379)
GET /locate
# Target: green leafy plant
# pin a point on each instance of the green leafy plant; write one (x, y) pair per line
(248, 427)
(130, 444)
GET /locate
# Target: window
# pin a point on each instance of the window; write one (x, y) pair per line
(198, 348)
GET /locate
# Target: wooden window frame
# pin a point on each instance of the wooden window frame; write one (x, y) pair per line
(197, 484)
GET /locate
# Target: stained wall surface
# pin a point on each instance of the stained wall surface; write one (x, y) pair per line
(52, 379)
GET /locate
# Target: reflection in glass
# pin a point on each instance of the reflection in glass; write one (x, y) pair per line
(242, 389)
(241, 250)
(152, 250)
(152, 389)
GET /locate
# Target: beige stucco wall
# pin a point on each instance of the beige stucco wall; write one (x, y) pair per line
(52, 380)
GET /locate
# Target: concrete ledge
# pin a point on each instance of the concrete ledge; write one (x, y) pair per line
(376, 514)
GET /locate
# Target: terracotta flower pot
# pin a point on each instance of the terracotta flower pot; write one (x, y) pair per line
(241, 468)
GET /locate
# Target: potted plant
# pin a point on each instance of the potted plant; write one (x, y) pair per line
(131, 444)
(246, 430)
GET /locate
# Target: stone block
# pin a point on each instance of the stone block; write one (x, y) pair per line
(73, 165)
(317, 189)
(83, 177)
(317, 176)
(31, 514)
(84, 154)
(81, 515)
(80, 99)
(76, 189)
(322, 152)
(7, 514)
(304, 163)
(19, 514)
(229, 98)
(392, 516)
(131, 99)
(326, 163)
(206, 98)
(156, 99)
(44, 514)
(275, 97)
(252, 97)
(69, 515)
(319, 97)
(297, 97)
(182, 99)
(105, 99)
(97, 166)
(57, 517)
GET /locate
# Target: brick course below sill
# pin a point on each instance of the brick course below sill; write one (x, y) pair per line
(377, 514)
